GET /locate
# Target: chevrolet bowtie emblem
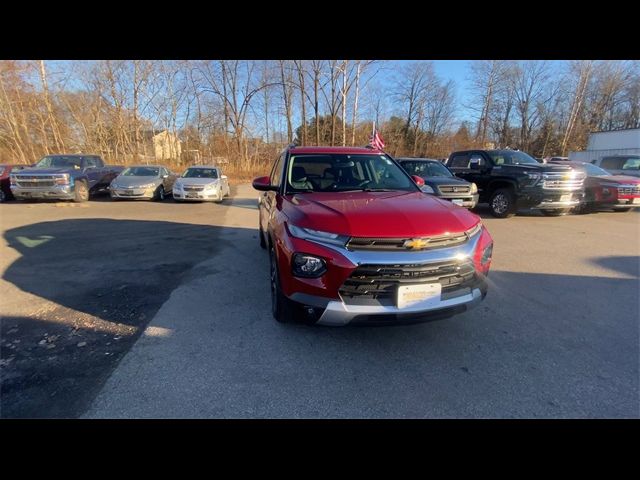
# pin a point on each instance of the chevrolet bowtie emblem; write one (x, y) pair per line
(415, 243)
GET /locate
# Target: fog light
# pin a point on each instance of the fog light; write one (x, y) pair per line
(308, 266)
(486, 254)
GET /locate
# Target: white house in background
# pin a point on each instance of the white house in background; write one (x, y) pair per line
(611, 143)
(166, 145)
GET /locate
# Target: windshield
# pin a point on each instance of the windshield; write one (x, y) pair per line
(342, 172)
(594, 171)
(200, 173)
(426, 169)
(511, 157)
(141, 172)
(60, 161)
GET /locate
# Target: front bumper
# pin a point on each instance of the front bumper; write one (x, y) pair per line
(552, 200)
(339, 313)
(627, 201)
(467, 201)
(57, 192)
(198, 196)
(129, 193)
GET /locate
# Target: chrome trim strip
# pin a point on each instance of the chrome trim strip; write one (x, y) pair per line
(338, 313)
(381, 257)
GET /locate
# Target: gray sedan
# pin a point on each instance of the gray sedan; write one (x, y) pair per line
(150, 182)
(201, 183)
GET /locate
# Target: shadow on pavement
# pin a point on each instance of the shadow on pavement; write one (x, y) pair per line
(107, 279)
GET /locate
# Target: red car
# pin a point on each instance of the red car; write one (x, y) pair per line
(5, 187)
(353, 239)
(606, 191)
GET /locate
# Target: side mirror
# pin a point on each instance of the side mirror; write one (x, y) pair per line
(263, 184)
(593, 161)
(165, 176)
(419, 180)
(224, 177)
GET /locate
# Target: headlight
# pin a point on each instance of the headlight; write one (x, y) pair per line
(62, 179)
(309, 266)
(317, 236)
(474, 188)
(427, 189)
(534, 176)
(211, 186)
(12, 179)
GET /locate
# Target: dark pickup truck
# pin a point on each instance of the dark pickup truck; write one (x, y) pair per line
(510, 179)
(63, 177)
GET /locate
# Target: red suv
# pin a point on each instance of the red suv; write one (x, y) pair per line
(353, 239)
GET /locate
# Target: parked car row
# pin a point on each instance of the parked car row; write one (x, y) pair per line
(77, 177)
(508, 180)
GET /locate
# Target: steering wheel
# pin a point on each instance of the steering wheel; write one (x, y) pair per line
(364, 183)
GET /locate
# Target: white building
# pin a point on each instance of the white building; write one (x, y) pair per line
(604, 144)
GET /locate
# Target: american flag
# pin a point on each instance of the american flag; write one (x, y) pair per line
(376, 140)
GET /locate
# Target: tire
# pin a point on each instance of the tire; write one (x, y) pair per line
(626, 209)
(557, 212)
(281, 307)
(81, 192)
(502, 203)
(584, 209)
(159, 194)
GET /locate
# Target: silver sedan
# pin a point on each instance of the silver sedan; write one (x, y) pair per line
(149, 182)
(201, 183)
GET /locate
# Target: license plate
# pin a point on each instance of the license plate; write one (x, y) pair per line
(565, 198)
(422, 295)
(128, 192)
(457, 201)
(636, 201)
(191, 195)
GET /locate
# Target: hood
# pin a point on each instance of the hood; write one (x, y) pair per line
(377, 214)
(196, 181)
(624, 179)
(45, 171)
(122, 181)
(444, 181)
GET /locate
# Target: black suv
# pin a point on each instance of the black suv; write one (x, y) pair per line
(439, 181)
(510, 179)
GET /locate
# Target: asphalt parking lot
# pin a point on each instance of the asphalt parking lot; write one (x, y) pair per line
(137, 309)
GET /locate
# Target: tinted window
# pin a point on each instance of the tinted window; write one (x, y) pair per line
(426, 169)
(511, 157)
(200, 173)
(614, 163)
(341, 172)
(60, 161)
(141, 172)
(459, 161)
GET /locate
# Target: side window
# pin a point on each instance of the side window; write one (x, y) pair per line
(276, 174)
(89, 162)
(477, 159)
(631, 164)
(460, 161)
(611, 162)
(164, 171)
(98, 161)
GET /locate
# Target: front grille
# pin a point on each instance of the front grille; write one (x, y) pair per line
(463, 189)
(31, 181)
(563, 180)
(193, 188)
(629, 190)
(381, 281)
(398, 244)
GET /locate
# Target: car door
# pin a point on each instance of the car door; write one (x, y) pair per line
(93, 171)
